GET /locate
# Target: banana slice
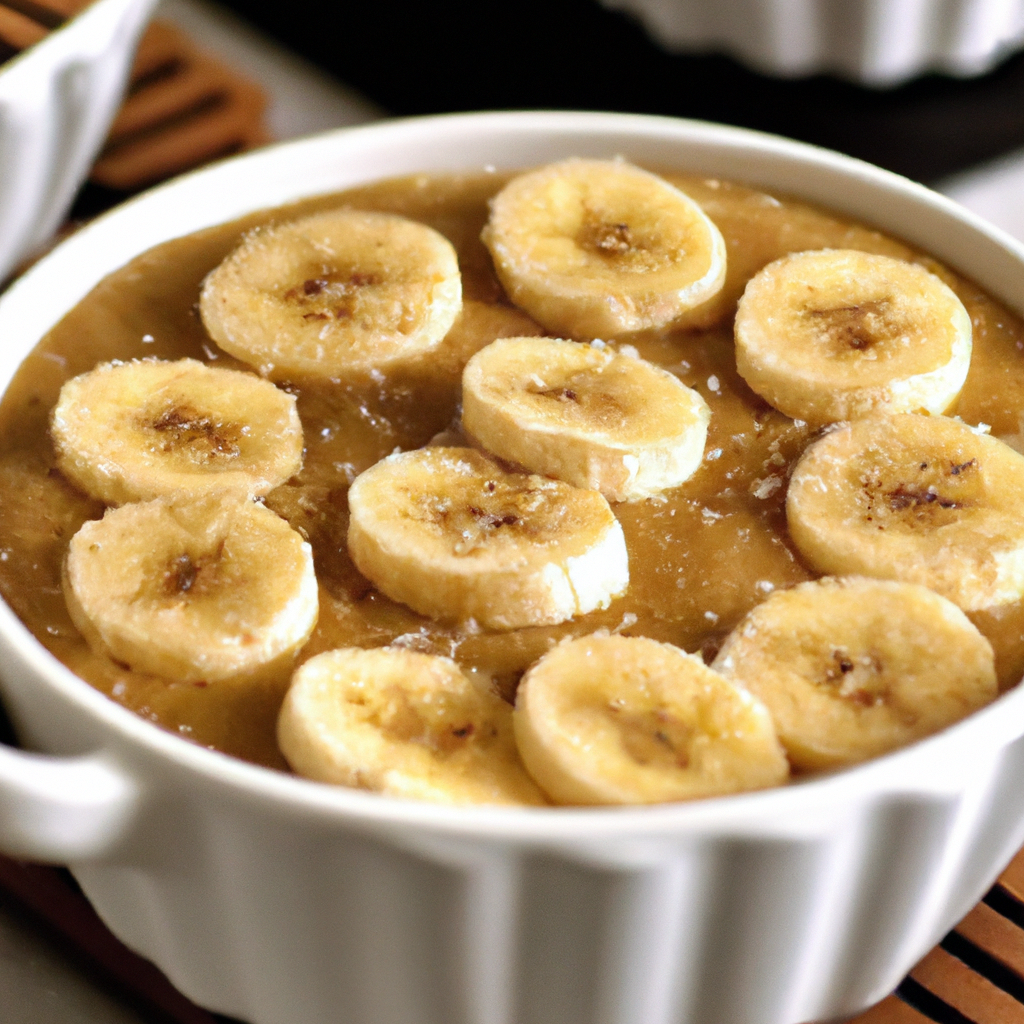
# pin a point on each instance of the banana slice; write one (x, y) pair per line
(405, 724)
(138, 430)
(595, 419)
(924, 499)
(454, 536)
(334, 294)
(204, 588)
(591, 248)
(837, 333)
(131, 431)
(852, 668)
(617, 720)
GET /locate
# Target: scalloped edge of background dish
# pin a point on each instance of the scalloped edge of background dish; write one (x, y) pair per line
(873, 42)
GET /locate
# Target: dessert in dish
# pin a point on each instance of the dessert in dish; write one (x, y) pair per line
(689, 540)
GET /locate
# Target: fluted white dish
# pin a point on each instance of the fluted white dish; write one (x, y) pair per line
(282, 901)
(57, 100)
(875, 42)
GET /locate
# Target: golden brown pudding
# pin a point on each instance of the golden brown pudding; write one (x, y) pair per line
(701, 554)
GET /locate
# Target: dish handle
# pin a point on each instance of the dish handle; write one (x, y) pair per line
(62, 810)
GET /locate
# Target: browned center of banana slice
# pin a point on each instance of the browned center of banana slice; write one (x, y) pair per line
(852, 668)
(924, 499)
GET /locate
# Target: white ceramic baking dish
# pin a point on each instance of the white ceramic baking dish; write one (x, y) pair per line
(874, 42)
(281, 901)
(57, 100)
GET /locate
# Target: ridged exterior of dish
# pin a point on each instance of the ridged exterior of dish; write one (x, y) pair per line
(262, 911)
(57, 100)
(700, 929)
(280, 901)
(877, 42)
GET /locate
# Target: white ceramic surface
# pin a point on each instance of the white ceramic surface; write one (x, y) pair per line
(57, 100)
(876, 42)
(281, 901)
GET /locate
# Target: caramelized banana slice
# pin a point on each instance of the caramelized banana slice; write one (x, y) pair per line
(591, 248)
(924, 499)
(584, 415)
(621, 720)
(138, 430)
(207, 588)
(405, 724)
(837, 333)
(454, 536)
(334, 294)
(852, 668)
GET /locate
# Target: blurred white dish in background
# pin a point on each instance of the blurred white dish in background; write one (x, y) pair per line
(57, 100)
(873, 42)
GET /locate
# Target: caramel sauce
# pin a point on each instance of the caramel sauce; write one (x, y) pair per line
(700, 556)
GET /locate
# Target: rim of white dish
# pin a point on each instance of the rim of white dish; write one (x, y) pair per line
(936, 765)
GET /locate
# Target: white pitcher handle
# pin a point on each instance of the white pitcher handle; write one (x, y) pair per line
(62, 809)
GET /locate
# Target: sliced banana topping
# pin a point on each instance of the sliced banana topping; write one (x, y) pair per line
(837, 333)
(924, 499)
(405, 724)
(616, 720)
(588, 416)
(852, 668)
(454, 536)
(334, 294)
(204, 588)
(591, 248)
(138, 430)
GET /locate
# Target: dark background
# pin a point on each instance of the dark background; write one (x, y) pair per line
(451, 55)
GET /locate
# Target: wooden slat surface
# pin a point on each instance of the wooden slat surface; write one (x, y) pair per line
(1012, 879)
(18, 31)
(892, 1011)
(974, 996)
(233, 124)
(999, 937)
(197, 110)
(65, 8)
(198, 80)
(47, 16)
(161, 44)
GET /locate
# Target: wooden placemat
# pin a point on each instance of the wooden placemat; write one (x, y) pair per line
(184, 108)
(976, 974)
